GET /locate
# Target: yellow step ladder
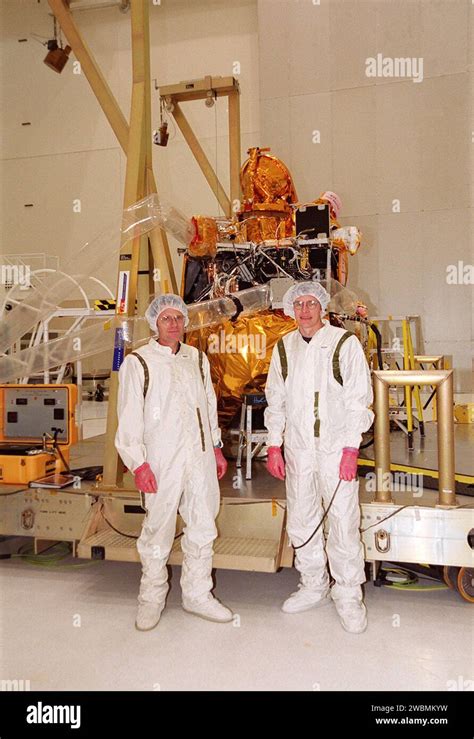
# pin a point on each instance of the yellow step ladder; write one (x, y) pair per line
(404, 348)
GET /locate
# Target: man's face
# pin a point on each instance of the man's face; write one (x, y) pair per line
(170, 325)
(307, 313)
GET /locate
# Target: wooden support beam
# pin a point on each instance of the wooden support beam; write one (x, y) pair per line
(105, 98)
(92, 71)
(158, 240)
(128, 270)
(198, 89)
(135, 189)
(202, 160)
(162, 258)
(234, 149)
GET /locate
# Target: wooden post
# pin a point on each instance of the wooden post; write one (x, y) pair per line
(135, 189)
(234, 148)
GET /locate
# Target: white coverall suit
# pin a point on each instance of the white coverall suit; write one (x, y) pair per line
(313, 451)
(174, 429)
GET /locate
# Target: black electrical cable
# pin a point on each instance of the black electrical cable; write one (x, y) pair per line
(117, 531)
(14, 492)
(57, 448)
(377, 523)
(122, 533)
(419, 570)
(378, 338)
(322, 520)
(237, 304)
(88, 473)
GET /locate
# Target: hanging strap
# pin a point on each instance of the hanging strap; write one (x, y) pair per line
(336, 368)
(283, 359)
(146, 372)
(316, 414)
(201, 368)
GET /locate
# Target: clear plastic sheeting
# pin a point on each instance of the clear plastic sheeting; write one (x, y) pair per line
(253, 299)
(343, 301)
(209, 312)
(121, 334)
(148, 213)
(75, 345)
(242, 302)
(22, 310)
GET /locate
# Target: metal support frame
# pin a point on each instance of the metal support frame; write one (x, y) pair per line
(247, 437)
(80, 314)
(443, 381)
(436, 361)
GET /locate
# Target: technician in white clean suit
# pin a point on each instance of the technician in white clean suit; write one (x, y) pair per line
(318, 393)
(168, 436)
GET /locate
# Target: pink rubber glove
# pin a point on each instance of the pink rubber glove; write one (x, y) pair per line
(275, 462)
(145, 479)
(348, 466)
(221, 463)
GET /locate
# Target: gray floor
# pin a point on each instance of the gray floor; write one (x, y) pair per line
(73, 629)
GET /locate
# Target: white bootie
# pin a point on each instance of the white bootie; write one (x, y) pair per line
(210, 609)
(304, 599)
(352, 615)
(148, 615)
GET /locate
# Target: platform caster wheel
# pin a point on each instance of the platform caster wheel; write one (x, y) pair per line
(465, 582)
(450, 577)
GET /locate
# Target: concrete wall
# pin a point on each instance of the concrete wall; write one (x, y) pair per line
(383, 139)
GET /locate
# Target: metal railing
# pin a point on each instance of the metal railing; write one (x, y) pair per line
(442, 380)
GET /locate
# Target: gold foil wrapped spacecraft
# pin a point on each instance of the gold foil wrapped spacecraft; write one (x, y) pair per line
(239, 353)
(204, 243)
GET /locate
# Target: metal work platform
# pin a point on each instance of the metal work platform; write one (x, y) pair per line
(423, 459)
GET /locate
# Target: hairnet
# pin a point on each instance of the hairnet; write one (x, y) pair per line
(161, 303)
(305, 288)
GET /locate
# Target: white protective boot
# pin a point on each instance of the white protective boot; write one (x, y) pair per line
(305, 598)
(211, 609)
(352, 615)
(148, 615)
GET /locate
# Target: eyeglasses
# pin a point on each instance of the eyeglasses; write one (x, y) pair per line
(298, 305)
(170, 319)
